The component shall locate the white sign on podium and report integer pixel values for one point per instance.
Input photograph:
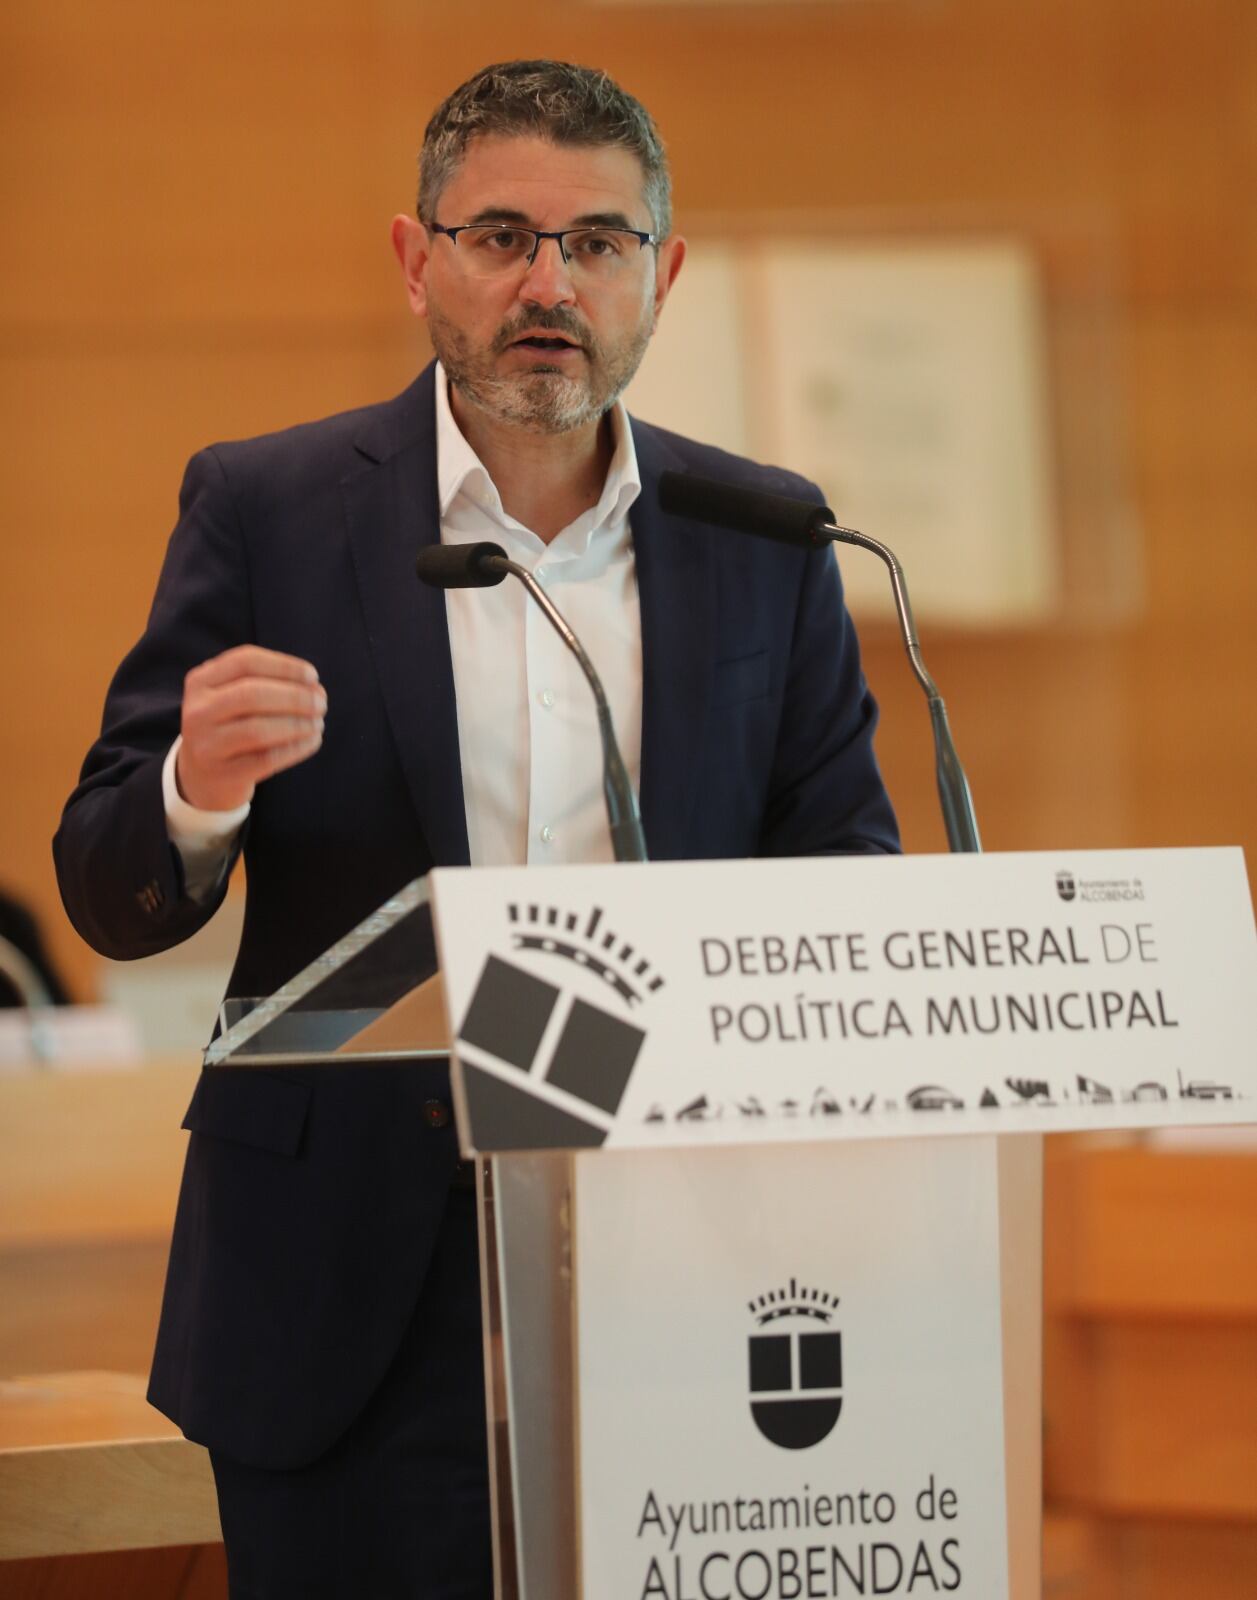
(721, 1002)
(790, 1373)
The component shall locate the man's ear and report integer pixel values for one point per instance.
(671, 256)
(411, 245)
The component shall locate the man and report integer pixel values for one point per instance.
(299, 698)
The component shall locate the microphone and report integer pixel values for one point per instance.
(767, 516)
(480, 566)
(459, 566)
(809, 527)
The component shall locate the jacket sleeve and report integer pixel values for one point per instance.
(120, 877)
(826, 794)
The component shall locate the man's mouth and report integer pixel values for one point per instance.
(544, 341)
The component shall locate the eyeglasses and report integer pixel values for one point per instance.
(496, 249)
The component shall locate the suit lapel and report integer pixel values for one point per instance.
(676, 590)
(393, 510)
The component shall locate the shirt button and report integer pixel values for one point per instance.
(546, 698)
(547, 834)
(436, 1113)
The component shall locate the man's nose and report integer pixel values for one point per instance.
(548, 278)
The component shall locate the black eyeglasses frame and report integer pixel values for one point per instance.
(539, 236)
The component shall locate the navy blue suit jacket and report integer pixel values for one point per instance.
(311, 1197)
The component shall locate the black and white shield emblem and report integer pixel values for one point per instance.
(545, 1065)
(795, 1362)
(1065, 885)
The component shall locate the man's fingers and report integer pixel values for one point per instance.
(251, 661)
(246, 714)
(256, 766)
(253, 736)
(252, 696)
(289, 755)
(216, 779)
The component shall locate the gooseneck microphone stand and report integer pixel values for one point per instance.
(480, 566)
(954, 797)
(627, 839)
(807, 526)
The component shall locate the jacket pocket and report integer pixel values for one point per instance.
(249, 1107)
(741, 678)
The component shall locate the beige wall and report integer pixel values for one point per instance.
(195, 206)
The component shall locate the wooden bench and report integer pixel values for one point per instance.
(99, 1495)
(87, 1465)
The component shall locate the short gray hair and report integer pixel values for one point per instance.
(563, 103)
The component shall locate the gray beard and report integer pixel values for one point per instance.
(542, 399)
(539, 401)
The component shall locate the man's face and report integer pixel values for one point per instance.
(481, 326)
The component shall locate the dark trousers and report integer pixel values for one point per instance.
(398, 1509)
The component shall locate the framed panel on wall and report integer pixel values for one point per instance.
(934, 385)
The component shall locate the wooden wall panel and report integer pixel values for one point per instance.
(1136, 1560)
(1150, 1371)
(1152, 1420)
(1172, 1236)
(196, 249)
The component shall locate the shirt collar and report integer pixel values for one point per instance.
(462, 475)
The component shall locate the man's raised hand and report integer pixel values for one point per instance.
(247, 714)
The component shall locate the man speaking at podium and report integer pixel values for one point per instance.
(299, 699)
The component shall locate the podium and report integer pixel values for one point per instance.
(760, 1258)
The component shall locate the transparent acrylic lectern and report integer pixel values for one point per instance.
(575, 1263)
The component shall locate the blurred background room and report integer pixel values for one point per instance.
(986, 269)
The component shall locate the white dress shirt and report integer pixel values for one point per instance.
(528, 738)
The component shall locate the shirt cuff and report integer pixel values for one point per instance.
(202, 838)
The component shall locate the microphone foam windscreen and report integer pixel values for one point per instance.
(769, 516)
(459, 566)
